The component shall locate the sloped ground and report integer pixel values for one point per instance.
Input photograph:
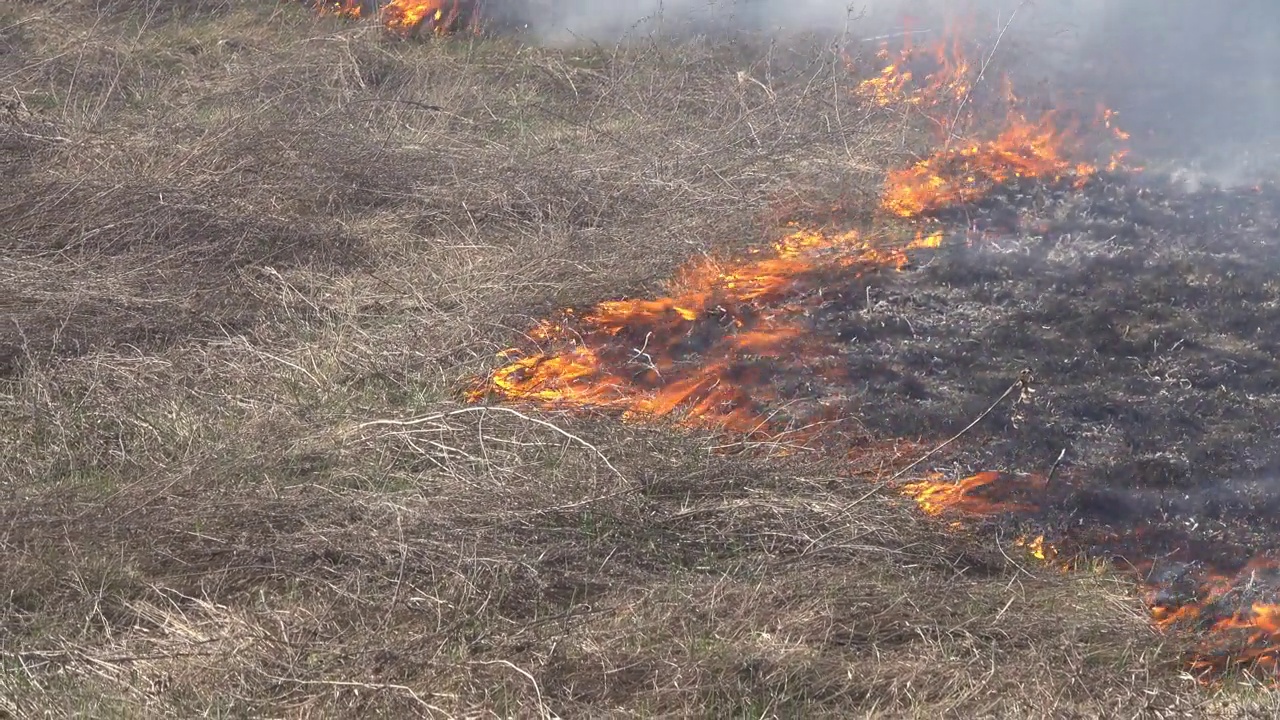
(233, 239)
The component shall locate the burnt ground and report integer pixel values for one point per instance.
(233, 235)
(1141, 317)
(1143, 313)
(1146, 316)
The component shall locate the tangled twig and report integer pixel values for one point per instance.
(441, 416)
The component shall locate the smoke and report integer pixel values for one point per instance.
(1197, 82)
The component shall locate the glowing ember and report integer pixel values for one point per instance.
(1038, 548)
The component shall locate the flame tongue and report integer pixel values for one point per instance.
(408, 15)
(709, 351)
(1024, 150)
(986, 493)
(718, 350)
(405, 16)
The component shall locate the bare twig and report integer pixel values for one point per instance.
(400, 101)
(542, 706)
(363, 686)
(1054, 468)
(982, 71)
(1021, 382)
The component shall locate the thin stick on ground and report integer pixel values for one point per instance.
(1021, 382)
(542, 705)
(363, 686)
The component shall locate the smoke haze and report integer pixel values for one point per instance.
(1195, 81)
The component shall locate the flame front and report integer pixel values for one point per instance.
(691, 353)
(1236, 630)
(968, 168)
(404, 16)
(1024, 150)
(708, 352)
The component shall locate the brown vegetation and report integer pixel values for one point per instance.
(234, 240)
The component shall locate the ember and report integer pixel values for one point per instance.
(1108, 287)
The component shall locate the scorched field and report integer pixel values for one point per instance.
(399, 366)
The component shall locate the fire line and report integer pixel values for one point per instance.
(708, 353)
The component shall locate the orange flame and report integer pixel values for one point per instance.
(947, 76)
(631, 355)
(937, 496)
(404, 16)
(626, 354)
(967, 170)
(970, 173)
(1247, 635)
(1038, 548)
(409, 15)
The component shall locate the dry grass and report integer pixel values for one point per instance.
(233, 238)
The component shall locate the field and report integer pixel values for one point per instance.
(252, 260)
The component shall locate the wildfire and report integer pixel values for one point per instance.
(693, 351)
(968, 168)
(947, 74)
(710, 350)
(405, 16)
(1024, 150)
(1236, 629)
(937, 496)
(1038, 548)
(339, 8)
(408, 15)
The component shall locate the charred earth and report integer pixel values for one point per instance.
(1138, 319)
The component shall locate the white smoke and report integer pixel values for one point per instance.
(1194, 80)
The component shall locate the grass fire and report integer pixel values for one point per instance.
(367, 359)
(408, 17)
(759, 347)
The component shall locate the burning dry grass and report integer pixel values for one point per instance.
(234, 238)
